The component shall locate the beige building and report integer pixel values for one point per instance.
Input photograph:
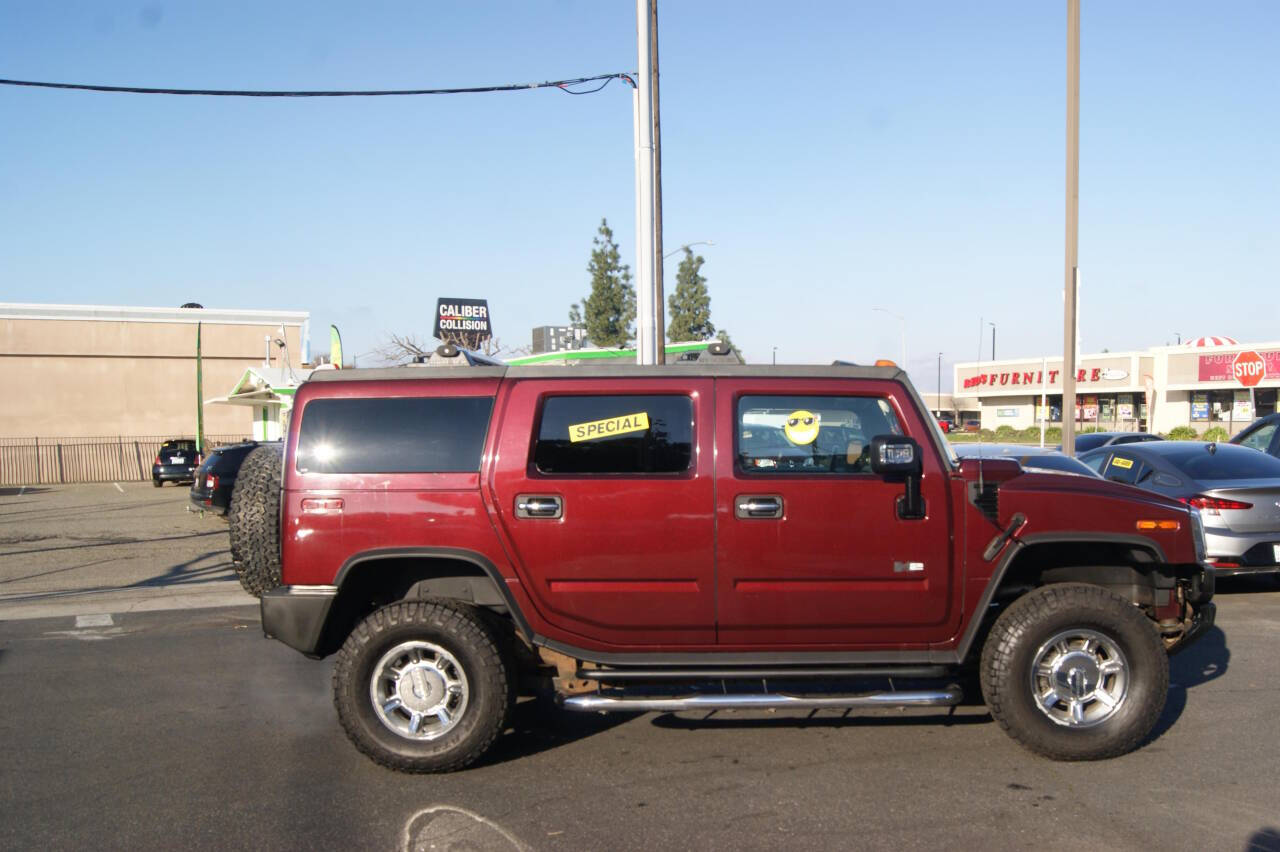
(1194, 384)
(90, 371)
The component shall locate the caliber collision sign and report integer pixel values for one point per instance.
(464, 321)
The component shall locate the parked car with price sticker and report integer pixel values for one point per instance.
(699, 537)
(1235, 488)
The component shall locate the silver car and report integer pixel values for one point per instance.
(1236, 489)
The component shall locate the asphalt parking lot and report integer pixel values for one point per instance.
(154, 727)
(109, 547)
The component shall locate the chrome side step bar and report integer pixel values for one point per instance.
(618, 675)
(945, 697)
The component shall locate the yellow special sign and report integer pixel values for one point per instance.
(1123, 463)
(609, 427)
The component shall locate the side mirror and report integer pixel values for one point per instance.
(895, 455)
(898, 457)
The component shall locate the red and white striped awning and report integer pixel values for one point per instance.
(1212, 341)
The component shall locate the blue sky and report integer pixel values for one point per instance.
(842, 156)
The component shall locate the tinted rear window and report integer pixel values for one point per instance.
(615, 434)
(1229, 462)
(400, 435)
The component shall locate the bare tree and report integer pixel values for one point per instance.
(404, 348)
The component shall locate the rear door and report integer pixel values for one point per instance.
(810, 548)
(604, 491)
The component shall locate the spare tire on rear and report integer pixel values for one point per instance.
(254, 518)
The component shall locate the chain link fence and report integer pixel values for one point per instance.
(43, 461)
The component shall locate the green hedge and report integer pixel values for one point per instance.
(1215, 433)
(1182, 433)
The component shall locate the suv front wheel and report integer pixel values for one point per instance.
(1075, 672)
(423, 686)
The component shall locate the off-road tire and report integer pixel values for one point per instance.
(480, 650)
(254, 520)
(1038, 616)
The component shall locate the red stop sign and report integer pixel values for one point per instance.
(1249, 368)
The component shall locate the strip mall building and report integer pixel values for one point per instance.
(1194, 384)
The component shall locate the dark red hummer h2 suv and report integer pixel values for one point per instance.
(700, 537)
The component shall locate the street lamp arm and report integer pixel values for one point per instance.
(689, 245)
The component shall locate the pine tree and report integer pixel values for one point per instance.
(610, 308)
(689, 307)
(723, 337)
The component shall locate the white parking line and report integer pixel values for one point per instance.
(101, 619)
(118, 488)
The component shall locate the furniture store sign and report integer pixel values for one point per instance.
(1035, 378)
(1222, 368)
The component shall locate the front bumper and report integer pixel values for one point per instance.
(296, 615)
(1201, 622)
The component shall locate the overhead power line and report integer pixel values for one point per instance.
(563, 85)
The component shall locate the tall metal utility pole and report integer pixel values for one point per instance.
(199, 393)
(1072, 267)
(648, 331)
(642, 292)
(659, 306)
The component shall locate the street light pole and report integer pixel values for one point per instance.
(648, 332)
(775, 355)
(993, 340)
(938, 401)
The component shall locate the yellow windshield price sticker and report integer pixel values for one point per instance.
(1119, 462)
(609, 428)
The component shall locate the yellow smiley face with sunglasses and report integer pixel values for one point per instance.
(802, 427)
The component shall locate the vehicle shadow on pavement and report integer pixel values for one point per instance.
(1206, 660)
(1264, 840)
(538, 726)
(186, 573)
(23, 490)
(1247, 584)
(182, 574)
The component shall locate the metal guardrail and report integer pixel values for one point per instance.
(43, 461)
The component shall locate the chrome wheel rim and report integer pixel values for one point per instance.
(1079, 678)
(419, 690)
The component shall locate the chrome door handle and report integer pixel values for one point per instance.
(539, 506)
(758, 506)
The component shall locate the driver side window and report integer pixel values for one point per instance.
(1260, 439)
(810, 434)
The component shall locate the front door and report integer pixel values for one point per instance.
(810, 548)
(607, 501)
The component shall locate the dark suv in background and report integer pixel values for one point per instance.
(211, 490)
(176, 461)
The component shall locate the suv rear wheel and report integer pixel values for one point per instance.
(423, 686)
(1075, 672)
